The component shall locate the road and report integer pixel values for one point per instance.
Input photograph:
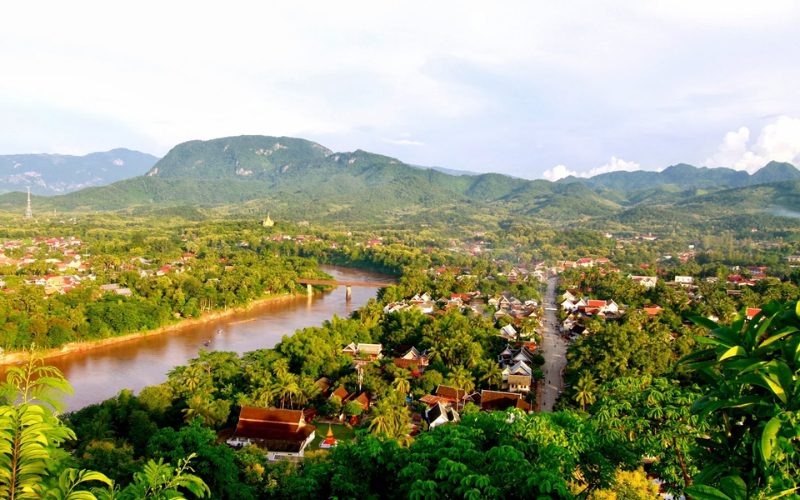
(554, 349)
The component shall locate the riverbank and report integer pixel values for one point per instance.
(15, 357)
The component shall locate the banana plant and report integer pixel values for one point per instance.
(751, 369)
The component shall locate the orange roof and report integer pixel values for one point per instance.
(341, 392)
(752, 311)
(652, 310)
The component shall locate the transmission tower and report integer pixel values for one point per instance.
(28, 211)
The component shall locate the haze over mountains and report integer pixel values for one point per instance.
(48, 174)
(300, 179)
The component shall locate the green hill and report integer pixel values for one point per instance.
(301, 180)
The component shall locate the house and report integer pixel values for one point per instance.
(283, 433)
(340, 393)
(444, 394)
(411, 357)
(519, 377)
(506, 355)
(439, 414)
(652, 310)
(369, 352)
(508, 332)
(684, 280)
(645, 281)
(324, 384)
(502, 400)
(361, 399)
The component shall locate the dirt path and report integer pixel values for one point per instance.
(554, 349)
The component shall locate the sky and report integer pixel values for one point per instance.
(534, 89)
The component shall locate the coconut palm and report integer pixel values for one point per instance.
(585, 390)
(287, 388)
(493, 375)
(461, 378)
(390, 417)
(401, 384)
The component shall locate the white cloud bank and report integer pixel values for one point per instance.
(613, 165)
(778, 141)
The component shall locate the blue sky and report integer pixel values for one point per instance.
(532, 89)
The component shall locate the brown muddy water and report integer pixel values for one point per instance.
(100, 373)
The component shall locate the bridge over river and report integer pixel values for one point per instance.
(345, 283)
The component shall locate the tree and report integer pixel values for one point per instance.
(159, 480)
(585, 390)
(628, 485)
(390, 418)
(493, 375)
(461, 378)
(353, 409)
(401, 384)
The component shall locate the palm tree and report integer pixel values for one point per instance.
(265, 395)
(461, 378)
(401, 384)
(493, 376)
(390, 418)
(287, 387)
(280, 367)
(585, 390)
(308, 390)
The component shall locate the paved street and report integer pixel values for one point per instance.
(554, 349)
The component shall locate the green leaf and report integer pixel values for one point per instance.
(775, 386)
(797, 309)
(769, 438)
(774, 338)
(734, 487)
(707, 323)
(703, 492)
(733, 351)
(711, 340)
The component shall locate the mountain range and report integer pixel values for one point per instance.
(299, 179)
(49, 174)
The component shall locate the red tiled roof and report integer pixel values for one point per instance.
(449, 393)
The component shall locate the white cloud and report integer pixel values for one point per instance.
(404, 142)
(614, 165)
(558, 172)
(778, 141)
(349, 74)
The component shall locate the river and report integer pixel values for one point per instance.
(99, 374)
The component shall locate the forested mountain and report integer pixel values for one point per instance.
(48, 174)
(686, 177)
(299, 179)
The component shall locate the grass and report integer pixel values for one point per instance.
(341, 432)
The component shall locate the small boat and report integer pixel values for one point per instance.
(207, 343)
